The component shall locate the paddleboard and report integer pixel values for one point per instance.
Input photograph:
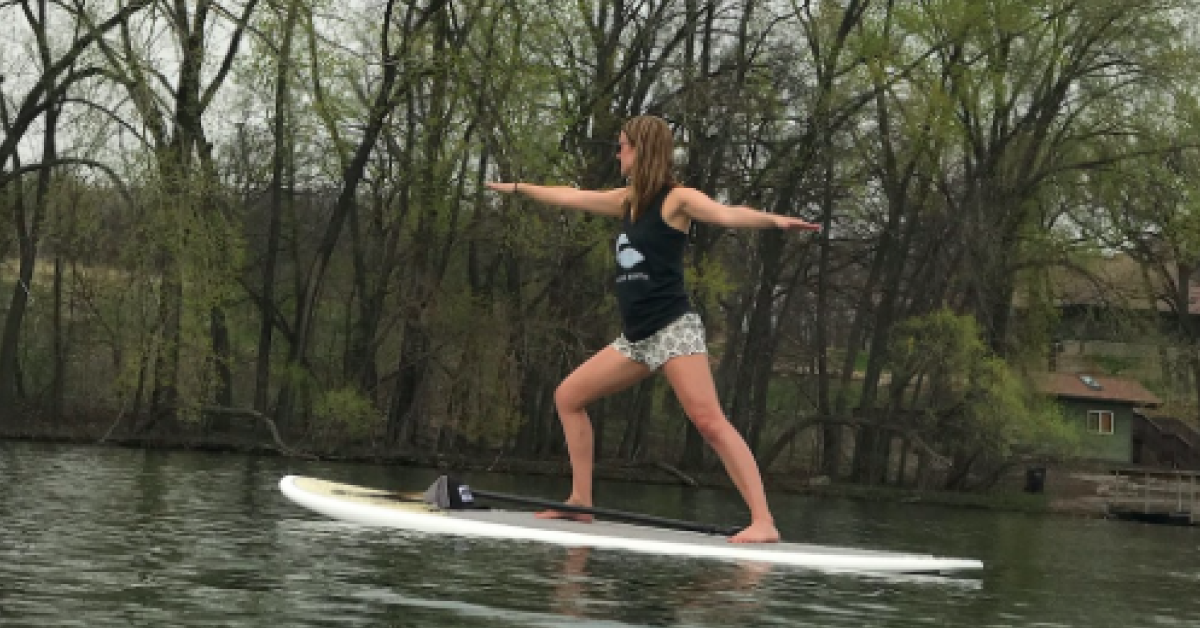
(375, 507)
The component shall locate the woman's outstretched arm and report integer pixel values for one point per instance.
(604, 203)
(699, 206)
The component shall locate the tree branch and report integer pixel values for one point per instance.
(249, 413)
(8, 177)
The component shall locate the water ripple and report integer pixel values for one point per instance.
(113, 537)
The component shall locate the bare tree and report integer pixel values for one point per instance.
(44, 100)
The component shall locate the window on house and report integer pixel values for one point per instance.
(1100, 421)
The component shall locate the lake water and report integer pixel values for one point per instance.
(96, 536)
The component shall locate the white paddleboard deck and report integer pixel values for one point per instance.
(375, 507)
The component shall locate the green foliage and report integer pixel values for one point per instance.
(1008, 415)
(940, 345)
(975, 144)
(477, 398)
(1037, 320)
(347, 412)
(973, 401)
(1115, 364)
(709, 281)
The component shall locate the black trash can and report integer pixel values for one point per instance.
(1035, 479)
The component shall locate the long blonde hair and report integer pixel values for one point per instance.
(654, 167)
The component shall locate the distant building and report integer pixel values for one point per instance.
(1094, 302)
(1102, 407)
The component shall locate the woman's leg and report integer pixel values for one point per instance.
(691, 379)
(603, 374)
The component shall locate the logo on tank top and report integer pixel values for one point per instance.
(627, 258)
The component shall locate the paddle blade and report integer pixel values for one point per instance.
(447, 492)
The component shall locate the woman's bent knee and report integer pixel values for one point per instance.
(712, 425)
(567, 399)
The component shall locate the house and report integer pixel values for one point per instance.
(1099, 299)
(1093, 299)
(1103, 408)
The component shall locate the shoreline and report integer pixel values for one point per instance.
(1067, 493)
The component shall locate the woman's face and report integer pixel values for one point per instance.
(625, 154)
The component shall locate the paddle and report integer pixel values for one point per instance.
(606, 513)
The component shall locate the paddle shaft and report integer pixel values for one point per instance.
(618, 515)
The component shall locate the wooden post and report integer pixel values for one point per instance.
(1178, 491)
(1146, 494)
(1192, 504)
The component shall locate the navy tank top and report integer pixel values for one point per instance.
(649, 284)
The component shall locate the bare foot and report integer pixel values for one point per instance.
(763, 532)
(569, 516)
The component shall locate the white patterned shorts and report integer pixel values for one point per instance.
(685, 336)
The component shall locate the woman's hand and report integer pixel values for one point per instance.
(499, 186)
(787, 223)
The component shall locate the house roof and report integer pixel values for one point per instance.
(1117, 281)
(1106, 388)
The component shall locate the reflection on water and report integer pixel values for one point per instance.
(724, 593)
(117, 537)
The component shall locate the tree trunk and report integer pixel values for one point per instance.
(401, 417)
(383, 104)
(222, 354)
(29, 230)
(639, 415)
(281, 165)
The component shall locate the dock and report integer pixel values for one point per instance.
(1154, 496)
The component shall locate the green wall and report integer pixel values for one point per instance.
(1115, 447)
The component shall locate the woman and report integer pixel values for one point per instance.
(660, 329)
